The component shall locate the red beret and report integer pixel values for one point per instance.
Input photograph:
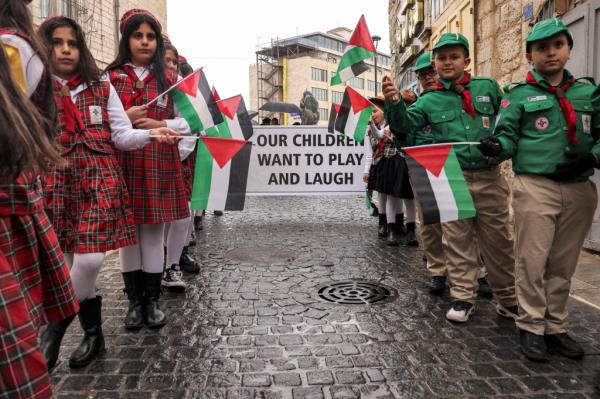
(166, 39)
(182, 59)
(132, 13)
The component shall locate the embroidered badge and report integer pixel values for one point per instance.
(427, 129)
(139, 84)
(504, 103)
(65, 91)
(542, 123)
(485, 122)
(482, 99)
(162, 101)
(95, 114)
(586, 121)
(536, 98)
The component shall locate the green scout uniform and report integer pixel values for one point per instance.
(441, 116)
(553, 212)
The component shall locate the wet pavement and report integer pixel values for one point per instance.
(251, 324)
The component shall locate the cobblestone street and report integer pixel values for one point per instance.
(251, 324)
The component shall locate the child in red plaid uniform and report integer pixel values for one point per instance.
(86, 197)
(153, 174)
(178, 234)
(34, 281)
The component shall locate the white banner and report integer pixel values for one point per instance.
(301, 160)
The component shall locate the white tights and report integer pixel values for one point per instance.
(177, 236)
(393, 206)
(84, 270)
(147, 254)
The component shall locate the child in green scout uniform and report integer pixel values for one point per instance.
(464, 109)
(550, 128)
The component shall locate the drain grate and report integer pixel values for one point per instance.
(355, 292)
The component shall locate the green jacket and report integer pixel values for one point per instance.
(533, 130)
(438, 117)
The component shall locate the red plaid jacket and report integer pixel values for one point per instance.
(96, 135)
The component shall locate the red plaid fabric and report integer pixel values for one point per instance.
(23, 373)
(87, 199)
(189, 165)
(154, 174)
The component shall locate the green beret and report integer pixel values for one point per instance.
(548, 28)
(451, 39)
(423, 62)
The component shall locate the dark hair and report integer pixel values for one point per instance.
(185, 69)
(173, 49)
(23, 144)
(158, 60)
(569, 40)
(87, 67)
(15, 14)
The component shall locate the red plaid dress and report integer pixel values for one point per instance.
(154, 174)
(35, 287)
(189, 165)
(87, 198)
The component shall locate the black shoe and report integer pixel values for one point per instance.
(198, 223)
(382, 232)
(411, 239)
(484, 289)
(400, 230)
(92, 345)
(565, 345)
(392, 238)
(51, 338)
(153, 316)
(532, 346)
(437, 285)
(375, 211)
(188, 263)
(218, 213)
(134, 288)
(510, 312)
(193, 240)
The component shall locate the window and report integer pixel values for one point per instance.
(320, 94)
(45, 8)
(323, 114)
(318, 74)
(371, 85)
(337, 96)
(357, 83)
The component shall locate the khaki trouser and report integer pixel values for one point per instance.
(552, 220)
(491, 227)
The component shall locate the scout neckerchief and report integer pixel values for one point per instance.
(71, 117)
(381, 145)
(565, 105)
(459, 87)
(139, 84)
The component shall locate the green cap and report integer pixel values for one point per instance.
(548, 28)
(423, 62)
(452, 39)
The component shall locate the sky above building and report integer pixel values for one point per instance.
(222, 36)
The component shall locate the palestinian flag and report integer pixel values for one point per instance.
(223, 160)
(215, 94)
(335, 108)
(217, 186)
(360, 47)
(351, 116)
(194, 99)
(439, 182)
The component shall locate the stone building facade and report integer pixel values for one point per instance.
(286, 68)
(99, 19)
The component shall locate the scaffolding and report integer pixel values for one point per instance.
(269, 69)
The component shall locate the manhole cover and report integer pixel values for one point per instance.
(260, 255)
(356, 292)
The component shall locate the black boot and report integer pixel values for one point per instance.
(392, 238)
(564, 345)
(198, 223)
(154, 317)
(411, 239)
(382, 232)
(92, 345)
(134, 288)
(188, 263)
(400, 230)
(51, 339)
(532, 346)
(375, 211)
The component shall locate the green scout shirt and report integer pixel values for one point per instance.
(533, 130)
(438, 117)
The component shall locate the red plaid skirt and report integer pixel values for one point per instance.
(154, 177)
(188, 174)
(88, 203)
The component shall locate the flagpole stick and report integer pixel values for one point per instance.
(183, 136)
(444, 144)
(171, 88)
